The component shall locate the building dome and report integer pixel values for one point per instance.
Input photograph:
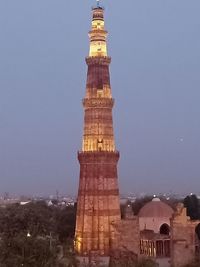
(155, 216)
(156, 209)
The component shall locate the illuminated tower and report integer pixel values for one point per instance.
(98, 196)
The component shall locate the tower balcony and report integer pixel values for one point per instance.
(99, 60)
(98, 103)
(98, 157)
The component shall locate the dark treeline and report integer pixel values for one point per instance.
(192, 204)
(35, 234)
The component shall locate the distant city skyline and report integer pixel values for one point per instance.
(155, 82)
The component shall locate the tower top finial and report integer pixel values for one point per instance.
(98, 5)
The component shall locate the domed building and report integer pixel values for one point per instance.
(155, 216)
(154, 224)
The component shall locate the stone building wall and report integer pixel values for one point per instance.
(183, 238)
(127, 236)
(152, 223)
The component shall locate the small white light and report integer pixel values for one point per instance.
(28, 234)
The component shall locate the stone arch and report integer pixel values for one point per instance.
(164, 229)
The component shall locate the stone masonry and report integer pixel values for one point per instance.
(183, 237)
(98, 207)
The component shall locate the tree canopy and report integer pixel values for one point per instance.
(32, 234)
(193, 208)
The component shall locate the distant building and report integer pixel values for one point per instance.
(154, 225)
(7, 202)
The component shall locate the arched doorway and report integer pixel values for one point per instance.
(164, 229)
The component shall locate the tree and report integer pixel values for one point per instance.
(192, 204)
(65, 223)
(36, 218)
(49, 229)
(27, 251)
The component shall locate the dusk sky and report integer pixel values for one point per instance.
(155, 76)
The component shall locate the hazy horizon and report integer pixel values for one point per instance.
(155, 77)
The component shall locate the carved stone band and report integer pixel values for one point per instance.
(98, 103)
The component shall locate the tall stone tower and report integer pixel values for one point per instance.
(98, 196)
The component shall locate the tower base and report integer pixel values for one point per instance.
(98, 205)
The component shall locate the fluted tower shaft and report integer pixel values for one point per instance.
(98, 196)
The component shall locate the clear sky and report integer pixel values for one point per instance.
(155, 74)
